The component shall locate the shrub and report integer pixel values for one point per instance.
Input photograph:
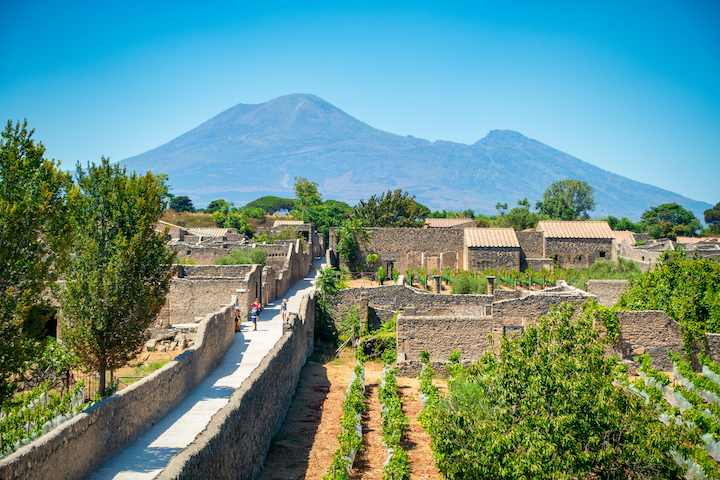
(469, 285)
(256, 256)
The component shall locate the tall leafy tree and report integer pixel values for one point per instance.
(550, 405)
(392, 209)
(712, 218)
(182, 204)
(578, 195)
(35, 235)
(121, 269)
(310, 208)
(669, 220)
(518, 218)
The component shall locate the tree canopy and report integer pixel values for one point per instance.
(550, 405)
(35, 236)
(182, 204)
(310, 208)
(577, 195)
(270, 204)
(712, 218)
(669, 220)
(519, 218)
(121, 269)
(392, 209)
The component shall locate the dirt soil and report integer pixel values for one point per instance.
(304, 447)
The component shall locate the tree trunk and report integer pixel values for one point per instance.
(101, 386)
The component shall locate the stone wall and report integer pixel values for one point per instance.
(578, 253)
(493, 258)
(80, 445)
(441, 335)
(385, 300)
(538, 264)
(203, 288)
(414, 247)
(607, 291)
(237, 439)
(532, 305)
(532, 245)
(207, 253)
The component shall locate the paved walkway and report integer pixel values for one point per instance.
(150, 453)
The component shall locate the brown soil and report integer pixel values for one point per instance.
(304, 447)
(369, 463)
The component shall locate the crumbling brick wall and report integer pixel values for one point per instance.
(607, 291)
(483, 258)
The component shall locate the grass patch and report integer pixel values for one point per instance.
(256, 256)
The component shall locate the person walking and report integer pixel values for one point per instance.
(254, 316)
(283, 310)
(237, 319)
(257, 305)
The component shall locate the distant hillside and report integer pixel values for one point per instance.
(251, 151)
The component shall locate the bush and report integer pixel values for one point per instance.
(464, 284)
(256, 256)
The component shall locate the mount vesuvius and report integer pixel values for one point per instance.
(249, 151)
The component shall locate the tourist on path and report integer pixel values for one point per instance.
(283, 309)
(237, 319)
(254, 316)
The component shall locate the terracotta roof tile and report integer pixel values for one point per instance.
(212, 232)
(621, 235)
(447, 222)
(575, 229)
(491, 237)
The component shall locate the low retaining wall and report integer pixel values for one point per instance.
(237, 439)
(607, 291)
(80, 445)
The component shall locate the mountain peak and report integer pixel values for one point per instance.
(502, 138)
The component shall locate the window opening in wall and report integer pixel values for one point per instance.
(602, 254)
(509, 330)
(579, 259)
(188, 252)
(643, 258)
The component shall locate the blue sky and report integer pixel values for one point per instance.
(632, 87)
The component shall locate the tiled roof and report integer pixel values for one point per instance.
(447, 222)
(621, 235)
(285, 223)
(491, 237)
(212, 232)
(575, 229)
(690, 240)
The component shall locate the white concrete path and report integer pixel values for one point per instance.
(150, 453)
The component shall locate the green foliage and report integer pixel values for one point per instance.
(467, 284)
(392, 209)
(469, 213)
(351, 237)
(121, 269)
(549, 406)
(624, 224)
(395, 274)
(255, 256)
(348, 438)
(576, 195)
(606, 315)
(288, 233)
(410, 275)
(381, 275)
(669, 220)
(330, 281)
(381, 342)
(699, 381)
(217, 205)
(162, 180)
(271, 205)
(687, 289)
(310, 208)
(182, 204)
(712, 218)
(519, 218)
(350, 325)
(186, 261)
(30, 415)
(394, 425)
(35, 236)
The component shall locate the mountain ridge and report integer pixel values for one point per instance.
(252, 150)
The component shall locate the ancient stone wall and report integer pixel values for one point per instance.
(532, 244)
(493, 258)
(441, 335)
(538, 264)
(207, 253)
(204, 288)
(607, 291)
(405, 248)
(578, 253)
(80, 445)
(236, 441)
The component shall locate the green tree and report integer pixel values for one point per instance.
(712, 218)
(578, 195)
(182, 204)
(550, 405)
(624, 224)
(519, 218)
(669, 220)
(556, 208)
(271, 205)
(393, 209)
(121, 269)
(216, 205)
(162, 180)
(350, 239)
(310, 208)
(35, 235)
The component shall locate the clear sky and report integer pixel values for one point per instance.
(632, 87)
